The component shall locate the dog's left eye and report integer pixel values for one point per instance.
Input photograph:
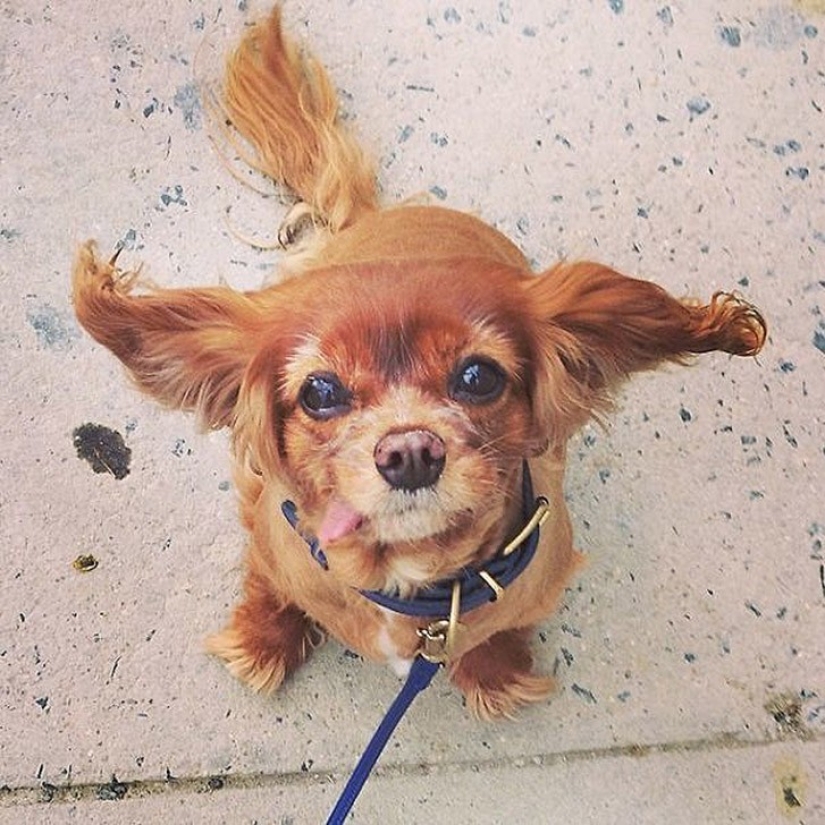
(323, 396)
(477, 381)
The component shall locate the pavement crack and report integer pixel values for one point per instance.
(117, 789)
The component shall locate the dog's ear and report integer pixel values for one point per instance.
(188, 348)
(595, 327)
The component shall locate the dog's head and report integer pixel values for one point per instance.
(398, 401)
(400, 406)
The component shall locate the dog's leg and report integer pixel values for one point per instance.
(266, 639)
(496, 676)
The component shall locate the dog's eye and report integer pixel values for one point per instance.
(323, 396)
(477, 381)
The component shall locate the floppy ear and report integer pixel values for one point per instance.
(188, 348)
(595, 327)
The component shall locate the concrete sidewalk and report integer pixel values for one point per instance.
(683, 142)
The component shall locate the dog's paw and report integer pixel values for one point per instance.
(496, 677)
(489, 702)
(262, 671)
(262, 649)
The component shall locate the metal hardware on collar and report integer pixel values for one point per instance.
(438, 638)
(497, 589)
(434, 641)
(541, 514)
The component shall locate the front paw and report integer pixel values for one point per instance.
(496, 677)
(263, 644)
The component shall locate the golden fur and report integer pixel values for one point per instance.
(390, 303)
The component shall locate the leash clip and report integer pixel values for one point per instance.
(438, 637)
(434, 641)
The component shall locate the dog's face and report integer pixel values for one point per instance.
(401, 410)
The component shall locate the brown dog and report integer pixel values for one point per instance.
(385, 403)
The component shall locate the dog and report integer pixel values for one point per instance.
(399, 402)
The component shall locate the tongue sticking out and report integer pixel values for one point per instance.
(339, 520)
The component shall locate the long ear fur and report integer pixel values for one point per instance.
(187, 348)
(596, 327)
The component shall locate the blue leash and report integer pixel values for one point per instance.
(420, 676)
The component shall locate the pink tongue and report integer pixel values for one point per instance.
(339, 520)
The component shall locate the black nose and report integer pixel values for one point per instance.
(410, 460)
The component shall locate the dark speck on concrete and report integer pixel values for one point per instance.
(173, 195)
(731, 35)
(685, 415)
(188, 101)
(54, 330)
(439, 192)
(616, 6)
(697, 106)
(800, 172)
(819, 340)
(584, 693)
(783, 149)
(181, 448)
(151, 107)
(130, 240)
(112, 790)
(665, 15)
(103, 448)
(406, 134)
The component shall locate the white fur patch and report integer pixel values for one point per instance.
(400, 666)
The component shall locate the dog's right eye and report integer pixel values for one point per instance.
(323, 396)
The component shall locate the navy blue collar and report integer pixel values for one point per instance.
(478, 586)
